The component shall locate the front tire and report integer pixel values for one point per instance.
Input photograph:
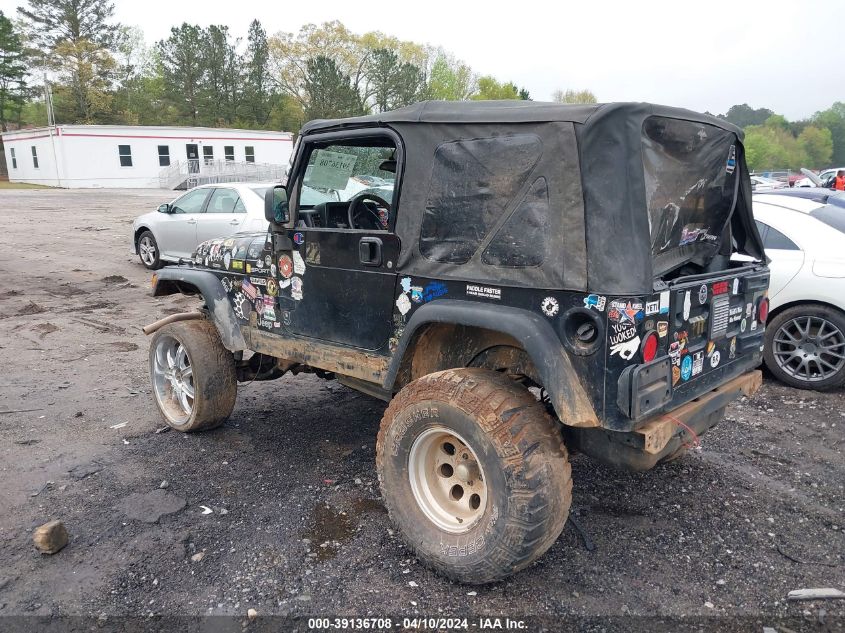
(193, 376)
(148, 251)
(474, 473)
(805, 347)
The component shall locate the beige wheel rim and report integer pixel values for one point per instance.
(447, 480)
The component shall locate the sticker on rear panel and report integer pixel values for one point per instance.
(686, 367)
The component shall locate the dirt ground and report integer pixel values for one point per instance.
(282, 502)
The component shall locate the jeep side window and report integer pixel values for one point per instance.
(338, 173)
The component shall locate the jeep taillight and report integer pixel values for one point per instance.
(649, 347)
(763, 310)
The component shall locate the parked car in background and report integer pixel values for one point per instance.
(821, 195)
(823, 179)
(805, 336)
(759, 183)
(173, 231)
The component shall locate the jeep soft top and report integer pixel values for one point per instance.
(508, 275)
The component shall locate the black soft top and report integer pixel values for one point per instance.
(593, 166)
(513, 111)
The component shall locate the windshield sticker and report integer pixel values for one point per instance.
(549, 306)
(482, 291)
(731, 164)
(330, 170)
(686, 367)
(595, 301)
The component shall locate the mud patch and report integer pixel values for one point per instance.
(151, 506)
(331, 528)
(114, 279)
(31, 308)
(10, 293)
(123, 346)
(43, 329)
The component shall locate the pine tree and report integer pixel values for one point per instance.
(13, 67)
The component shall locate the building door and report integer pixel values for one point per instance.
(193, 152)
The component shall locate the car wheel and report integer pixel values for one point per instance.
(193, 375)
(148, 251)
(805, 347)
(474, 473)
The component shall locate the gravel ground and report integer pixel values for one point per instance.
(279, 510)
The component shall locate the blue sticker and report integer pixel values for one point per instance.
(595, 301)
(406, 284)
(686, 367)
(298, 238)
(433, 290)
(416, 294)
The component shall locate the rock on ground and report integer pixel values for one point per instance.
(50, 537)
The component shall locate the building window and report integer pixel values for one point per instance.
(229, 152)
(34, 157)
(14, 158)
(249, 153)
(125, 152)
(163, 156)
(208, 154)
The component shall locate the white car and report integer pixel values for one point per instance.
(758, 183)
(173, 231)
(805, 333)
(820, 178)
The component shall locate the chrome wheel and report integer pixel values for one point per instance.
(173, 379)
(447, 480)
(809, 348)
(147, 250)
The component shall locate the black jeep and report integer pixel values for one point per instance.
(514, 278)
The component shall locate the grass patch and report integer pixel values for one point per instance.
(5, 184)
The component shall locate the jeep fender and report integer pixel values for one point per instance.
(172, 279)
(532, 331)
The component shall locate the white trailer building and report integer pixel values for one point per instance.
(79, 156)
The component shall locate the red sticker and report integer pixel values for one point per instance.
(720, 287)
(285, 266)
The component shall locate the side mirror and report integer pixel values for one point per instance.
(276, 205)
(164, 208)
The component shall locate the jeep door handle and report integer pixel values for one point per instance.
(369, 251)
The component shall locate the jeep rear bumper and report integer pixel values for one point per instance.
(661, 436)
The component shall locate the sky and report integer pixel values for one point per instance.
(706, 56)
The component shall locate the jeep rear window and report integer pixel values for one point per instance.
(473, 183)
(691, 176)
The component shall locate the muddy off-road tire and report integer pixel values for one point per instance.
(193, 375)
(474, 473)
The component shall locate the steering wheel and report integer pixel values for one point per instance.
(358, 201)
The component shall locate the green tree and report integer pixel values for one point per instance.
(744, 115)
(834, 120)
(221, 89)
(449, 79)
(573, 96)
(13, 70)
(817, 144)
(256, 102)
(773, 147)
(182, 66)
(75, 38)
(489, 88)
(392, 83)
(330, 93)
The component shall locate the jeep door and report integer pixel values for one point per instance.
(342, 277)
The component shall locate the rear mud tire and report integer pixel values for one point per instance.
(520, 456)
(211, 379)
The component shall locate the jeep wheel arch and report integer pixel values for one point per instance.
(172, 280)
(517, 329)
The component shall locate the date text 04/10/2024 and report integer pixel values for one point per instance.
(417, 623)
